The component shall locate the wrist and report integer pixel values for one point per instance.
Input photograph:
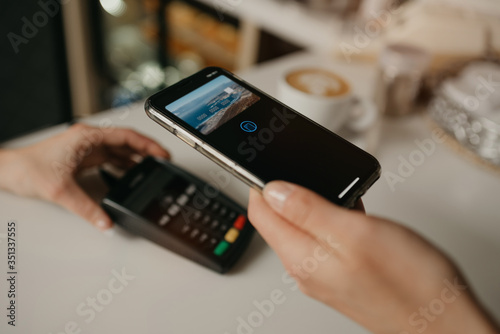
(464, 315)
(480, 320)
(7, 169)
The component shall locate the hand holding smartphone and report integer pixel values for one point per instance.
(259, 139)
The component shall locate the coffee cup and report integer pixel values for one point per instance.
(326, 98)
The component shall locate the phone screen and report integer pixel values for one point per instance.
(208, 107)
(265, 137)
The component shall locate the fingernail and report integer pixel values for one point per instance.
(276, 193)
(136, 158)
(102, 225)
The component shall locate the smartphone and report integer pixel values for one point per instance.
(259, 139)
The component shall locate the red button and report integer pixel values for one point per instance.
(240, 222)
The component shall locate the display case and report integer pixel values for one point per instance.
(129, 49)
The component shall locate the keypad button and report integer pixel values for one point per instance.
(232, 235)
(205, 220)
(191, 189)
(200, 201)
(185, 228)
(173, 210)
(166, 201)
(214, 224)
(213, 242)
(239, 223)
(203, 238)
(182, 200)
(194, 233)
(221, 248)
(164, 220)
(224, 227)
(223, 211)
(215, 206)
(232, 215)
(197, 215)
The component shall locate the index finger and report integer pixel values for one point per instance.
(136, 141)
(310, 212)
(289, 242)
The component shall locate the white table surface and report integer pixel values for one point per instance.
(62, 260)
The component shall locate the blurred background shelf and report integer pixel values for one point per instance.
(99, 54)
(134, 48)
(289, 20)
(111, 53)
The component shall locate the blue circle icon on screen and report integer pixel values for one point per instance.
(248, 126)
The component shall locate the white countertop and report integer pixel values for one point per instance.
(62, 260)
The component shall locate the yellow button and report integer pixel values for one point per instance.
(232, 235)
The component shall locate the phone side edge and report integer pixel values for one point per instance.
(207, 150)
(370, 181)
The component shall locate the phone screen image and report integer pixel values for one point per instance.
(213, 104)
(265, 137)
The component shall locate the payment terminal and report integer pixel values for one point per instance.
(171, 207)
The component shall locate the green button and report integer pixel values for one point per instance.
(221, 248)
